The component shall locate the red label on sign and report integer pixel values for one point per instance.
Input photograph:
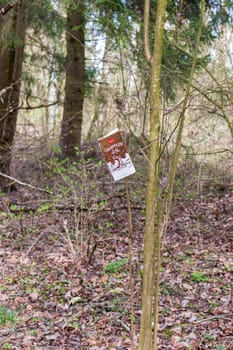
(111, 141)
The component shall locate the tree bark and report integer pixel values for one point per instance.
(152, 240)
(75, 77)
(12, 41)
(146, 328)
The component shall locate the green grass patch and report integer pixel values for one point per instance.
(198, 277)
(7, 316)
(115, 266)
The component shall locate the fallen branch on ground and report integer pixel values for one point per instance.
(214, 318)
(14, 180)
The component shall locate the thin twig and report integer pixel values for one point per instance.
(34, 243)
(213, 318)
(24, 183)
(123, 325)
(5, 9)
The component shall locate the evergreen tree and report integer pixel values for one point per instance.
(75, 79)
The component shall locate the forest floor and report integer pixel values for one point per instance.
(64, 276)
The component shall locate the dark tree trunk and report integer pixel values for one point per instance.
(75, 76)
(12, 28)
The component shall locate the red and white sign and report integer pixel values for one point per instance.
(116, 155)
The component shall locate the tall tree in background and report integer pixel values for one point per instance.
(12, 28)
(75, 79)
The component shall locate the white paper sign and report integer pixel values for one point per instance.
(116, 155)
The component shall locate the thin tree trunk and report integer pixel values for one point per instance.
(146, 329)
(11, 61)
(152, 244)
(71, 129)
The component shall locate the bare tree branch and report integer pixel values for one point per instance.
(24, 183)
(28, 107)
(3, 91)
(5, 9)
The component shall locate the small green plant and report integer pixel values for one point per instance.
(165, 311)
(33, 332)
(7, 346)
(191, 195)
(115, 266)
(165, 291)
(209, 337)
(74, 322)
(4, 215)
(44, 208)
(213, 304)
(108, 224)
(228, 268)
(57, 149)
(13, 207)
(56, 166)
(168, 333)
(7, 315)
(102, 203)
(220, 347)
(116, 305)
(199, 277)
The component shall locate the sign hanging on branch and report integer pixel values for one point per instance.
(116, 155)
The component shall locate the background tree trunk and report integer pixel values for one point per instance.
(75, 78)
(12, 40)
